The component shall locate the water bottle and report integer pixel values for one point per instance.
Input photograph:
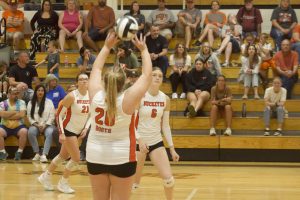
(43, 46)
(66, 61)
(244, 110)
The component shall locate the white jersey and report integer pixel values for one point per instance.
(150, 117)
(110, 144)
(77, 114)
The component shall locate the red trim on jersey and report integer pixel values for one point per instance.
(132, 155)
(68, 117)
(137, 120)
(60, 106)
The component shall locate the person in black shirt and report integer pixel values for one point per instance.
(199, 82)
(22, 75)
(158, 49)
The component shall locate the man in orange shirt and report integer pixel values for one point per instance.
(296, 41)
(14, 23)
(286, 62)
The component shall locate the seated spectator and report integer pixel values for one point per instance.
(158, 48)
(163, 18)
(249, 71)
(188, 22)
(180, 63)
(3, 80)
(85, 61)
(213, 22)
(32, 5)
(199, 82)
(22, 76)
(296, 41)
(231, 43)
(14, 24)
(99, 21)
(127, 59)
(275, 98)
(264, 48)
(135, 12)
(54, 91)
(46, 30)
(210, 59)
(220, 105)
(286, 62)
(52, 58)
(249, 39)
(41, 114)
(12, 112)
(70, 23)
(284, 19)
(250, 19)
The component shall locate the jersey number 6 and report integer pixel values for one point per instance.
(153, 113)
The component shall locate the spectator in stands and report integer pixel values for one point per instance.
(55, 92)
(127, 59)
(210, 60)
(52, 58)
(22, 76)
(249, 71)
(296, 41)
(14, 24)
(249, 39)
(164, 19)
(4, 5)
(250, 18)
(32, 5)
(286, 62)
(99, 21)
(220, 104)
(158, 49)
(85, 61)
(135, 12)
(41, 114)
(3, 80)
(12, 112)
(213, 22)
(199, 82)
(231, 34)
(275, 98)
(70, 23)
(264, 48)
(180, 63)
(284, 19)
(46, 30)
(188, 22)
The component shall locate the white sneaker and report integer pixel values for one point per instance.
(63, 186)
(228, 132)
(212, 132)
(135, 186)
(36, 157)
(45, 180)
(182, 95)
(174, 96)
(43, 159)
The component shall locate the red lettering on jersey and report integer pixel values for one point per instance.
(154, 104)
(103, 130)
(83, 101)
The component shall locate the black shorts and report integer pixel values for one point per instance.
(152, 147)
(70, 134)
(236, 48)
(123, 170)
(95, 35)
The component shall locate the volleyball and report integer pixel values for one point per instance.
(126, 28)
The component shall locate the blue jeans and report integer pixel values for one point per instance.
(33, 132)
(276, 111)
(288, 84)
(161, 62)
(278, 36)
(296, 47)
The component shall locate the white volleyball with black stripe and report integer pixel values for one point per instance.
(126, 28)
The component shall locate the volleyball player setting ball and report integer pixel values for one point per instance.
(152, 119)
(111, 155)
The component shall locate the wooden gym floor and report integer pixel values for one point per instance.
(194, 180)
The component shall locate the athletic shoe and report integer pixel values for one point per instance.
(267, 132)
(63, 186)
(82, 156)
(256, 97)
(45, 180)
(43, 159)
(182, 95)
(3, 156)
(197, 43)
(212, 132)
(174, 96)
(36, 157)
(245, 97)
(225, 64)
(135, 186)
(18, 155)
(192, 111)
(278, 133)
(228, 132)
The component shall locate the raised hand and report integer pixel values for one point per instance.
(111, 40)
(140, 43)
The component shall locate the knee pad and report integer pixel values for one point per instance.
(71, 165)
(169, 182)
(58, 160)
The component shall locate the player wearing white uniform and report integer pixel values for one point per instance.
(153, 118)
(111, 159)
(73, 122)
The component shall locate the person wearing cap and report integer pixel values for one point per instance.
(55, 92)
(14, 24)
(250, 19)
(12, 112)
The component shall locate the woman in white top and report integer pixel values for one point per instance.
(72, 120)
(111, 159)
(41, 114)
(153, 118)
(250, 69)
(180, 62)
